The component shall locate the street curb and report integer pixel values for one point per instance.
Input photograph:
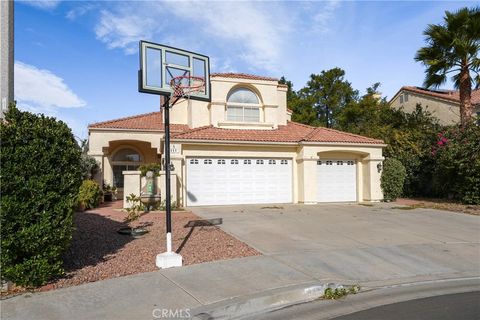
(272, 300)
(370, 298)
(265, 301)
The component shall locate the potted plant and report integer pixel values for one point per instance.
(107, 192)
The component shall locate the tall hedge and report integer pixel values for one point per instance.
(40, 178)
(393, 178)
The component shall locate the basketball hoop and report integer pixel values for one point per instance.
(184, 86)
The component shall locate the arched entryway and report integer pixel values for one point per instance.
(124, 159)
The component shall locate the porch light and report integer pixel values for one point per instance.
(379, 167)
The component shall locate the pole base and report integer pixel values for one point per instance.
(168, 260)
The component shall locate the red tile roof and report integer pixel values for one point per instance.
(147, 121)
(292, 132)
(242, 76)
(321, 134)
(451, 95)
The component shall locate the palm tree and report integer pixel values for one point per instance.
(453, 47)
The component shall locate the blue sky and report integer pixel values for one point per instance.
(78, 60)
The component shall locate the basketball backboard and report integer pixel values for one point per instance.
(159, 64)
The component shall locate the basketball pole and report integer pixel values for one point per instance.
(169, 258)
(168, 207)
(168, 192)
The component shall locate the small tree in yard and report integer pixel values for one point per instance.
(40, 177)
(393, 178)
(90, 166)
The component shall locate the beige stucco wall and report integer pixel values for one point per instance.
(273, 111)
(446, 111)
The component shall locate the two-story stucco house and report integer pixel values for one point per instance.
(443, 104)
(242, 148)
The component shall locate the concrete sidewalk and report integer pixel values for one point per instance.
(136, 297)
(371, 246)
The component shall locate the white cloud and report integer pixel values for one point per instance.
(80, 11)
(41, 90)
(124, 29)
(252, 25)
(323, 17)
(42, 4)
(258, 30)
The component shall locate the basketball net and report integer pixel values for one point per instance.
(185, 86)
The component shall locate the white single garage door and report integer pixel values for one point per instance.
(336, 181)
(223, 181)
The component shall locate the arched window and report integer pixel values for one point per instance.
(243, 105)
(124, 160)
(128, 155)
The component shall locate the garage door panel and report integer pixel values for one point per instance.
(238, 181)
(336, 181)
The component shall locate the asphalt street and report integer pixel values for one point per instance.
(465, 306)
(459, 306)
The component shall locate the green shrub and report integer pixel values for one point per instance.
(90, 194)
(154, 167)
(456, 156)
(393, 178)
(40, 178)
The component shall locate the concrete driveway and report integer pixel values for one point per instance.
(371, 245)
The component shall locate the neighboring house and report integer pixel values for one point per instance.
(443, 104)
(242, 148)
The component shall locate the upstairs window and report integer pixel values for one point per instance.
(243, 105)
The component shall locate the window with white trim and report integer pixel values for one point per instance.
(283, 162)
(243, 105)
(259, 161)
(247, 161)
(207, 161)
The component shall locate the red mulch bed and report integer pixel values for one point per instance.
(98, 252)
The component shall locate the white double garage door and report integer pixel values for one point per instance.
(225, 181)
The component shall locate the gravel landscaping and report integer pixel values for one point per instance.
(98, 252)
(440, 205)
